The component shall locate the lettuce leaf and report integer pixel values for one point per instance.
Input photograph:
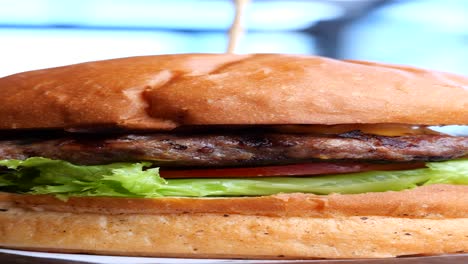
(45, 176)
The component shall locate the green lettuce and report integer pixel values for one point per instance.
(45, 176)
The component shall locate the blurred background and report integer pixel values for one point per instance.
(45, 33)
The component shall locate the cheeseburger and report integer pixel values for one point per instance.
(234, 156)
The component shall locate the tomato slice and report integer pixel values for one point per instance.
(305, 169)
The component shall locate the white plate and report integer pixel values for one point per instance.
(26, 257)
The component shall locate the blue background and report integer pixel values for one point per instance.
(44, 33)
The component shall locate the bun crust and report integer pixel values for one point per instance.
(334, 231)
(217, 236)
(432, 202)
(167, 91)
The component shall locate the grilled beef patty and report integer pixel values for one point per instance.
(237, 149)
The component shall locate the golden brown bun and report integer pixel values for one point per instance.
(164, 92)
(433, 201)
(152, 231)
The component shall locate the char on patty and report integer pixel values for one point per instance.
(236, 149)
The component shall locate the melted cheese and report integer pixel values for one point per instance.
(375, 129)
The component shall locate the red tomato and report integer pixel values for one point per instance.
(305, 169)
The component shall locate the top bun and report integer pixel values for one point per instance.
(167, 91)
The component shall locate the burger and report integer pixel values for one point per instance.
(234, 156)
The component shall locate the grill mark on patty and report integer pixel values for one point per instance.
(237, 149)
(255, 141)
(395, 142)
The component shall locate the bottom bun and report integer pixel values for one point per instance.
(216, 235)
